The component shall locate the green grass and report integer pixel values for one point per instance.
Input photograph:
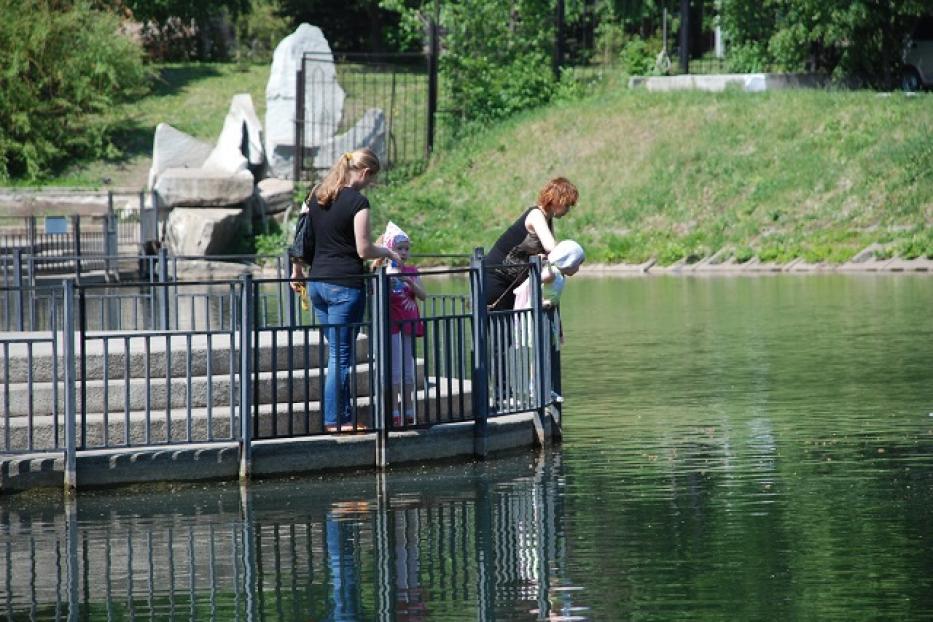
(192, 97)
(811, 174)
(195, 97)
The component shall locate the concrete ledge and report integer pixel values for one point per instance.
(714, 83)
(211, 461)
(180, 463)
(315, 453)
(20, 473)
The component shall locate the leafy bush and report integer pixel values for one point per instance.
(496, 57)
(638, 56)
(63, 68)
(749, 58)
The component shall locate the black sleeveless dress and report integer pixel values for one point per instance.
(508, 261)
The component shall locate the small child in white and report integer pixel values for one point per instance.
(562, 262)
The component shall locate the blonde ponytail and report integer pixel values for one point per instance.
(339, 175)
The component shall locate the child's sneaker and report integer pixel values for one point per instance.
(396, 419)
(410, 416)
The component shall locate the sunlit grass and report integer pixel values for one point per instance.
(811, 174)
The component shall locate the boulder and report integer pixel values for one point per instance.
(369, 131)
(323, 97)
(240, 141)
(206, 231)
(275, 195)
(173, 148)
(201, 187)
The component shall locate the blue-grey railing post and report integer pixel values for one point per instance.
(31, 282)
(142, 229)
(246, 375)
(542, 421)
(382, 372)
(76, 246)
(110, 232)
(480, 379)
(299, 120)
(20, 294)
(71, 411)
(164, 301)
(31, 232)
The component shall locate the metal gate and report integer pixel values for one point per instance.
(386, 102)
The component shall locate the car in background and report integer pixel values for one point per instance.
(918, 57)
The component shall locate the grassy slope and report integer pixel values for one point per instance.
(192, 97)
(812, 174)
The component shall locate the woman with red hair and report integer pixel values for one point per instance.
(532, 234)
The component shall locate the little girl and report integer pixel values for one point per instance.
(405, 323)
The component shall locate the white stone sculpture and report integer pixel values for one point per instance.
(323, 97)
(369, 131)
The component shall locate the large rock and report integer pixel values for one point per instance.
(275, 195)
(210, 231)
(201, 187)
(369, 131)
(323, 97)
(240, 141)
(173, 148)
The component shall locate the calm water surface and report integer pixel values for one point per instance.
(735, 449)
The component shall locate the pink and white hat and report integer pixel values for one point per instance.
(393, 235)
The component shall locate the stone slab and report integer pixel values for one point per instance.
(275, 195)
(172, 148)
(206, 231)
(198, 187)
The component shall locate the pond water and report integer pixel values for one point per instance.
(735, 448)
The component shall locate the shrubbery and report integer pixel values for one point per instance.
(62, 69)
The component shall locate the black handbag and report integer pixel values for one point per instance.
(302, 248)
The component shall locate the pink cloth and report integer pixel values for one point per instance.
(403, 305)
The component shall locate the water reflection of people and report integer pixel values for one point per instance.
(341, 530)
(409, 598)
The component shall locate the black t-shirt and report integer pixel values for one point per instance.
(509, 256)
(335, 256)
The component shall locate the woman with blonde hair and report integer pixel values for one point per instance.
(340, 219)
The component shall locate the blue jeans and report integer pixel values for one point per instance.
(339, 306)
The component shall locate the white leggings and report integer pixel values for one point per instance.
(403, 359)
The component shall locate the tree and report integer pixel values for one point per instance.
(64, 66)
(854, 39)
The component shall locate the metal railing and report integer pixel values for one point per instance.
(122, 365)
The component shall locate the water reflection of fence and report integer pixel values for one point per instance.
(146, 374)
(466, 546)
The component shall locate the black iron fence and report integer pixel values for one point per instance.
(120, 365)
(386, 102)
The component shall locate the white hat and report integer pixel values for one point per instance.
(393, 235)
(567, 254)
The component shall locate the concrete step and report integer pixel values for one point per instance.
(42, 398)
(305, 418)
(15, 361)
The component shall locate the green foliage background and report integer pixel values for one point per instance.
(61, 70)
